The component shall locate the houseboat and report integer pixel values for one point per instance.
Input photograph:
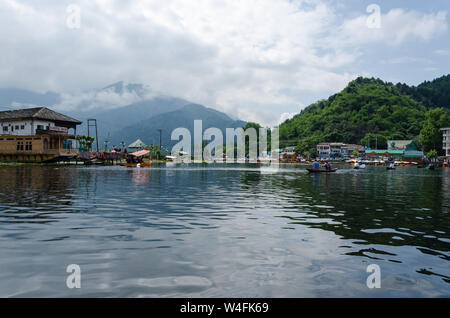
(37, 135)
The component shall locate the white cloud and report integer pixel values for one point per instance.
(442, 52)
(253, 59)
(286, 116)
(397, 26)
(107, 98)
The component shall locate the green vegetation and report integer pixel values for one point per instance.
(371, 112)
(432, 94)
(431, 135)
(155, 152)
(432, 155)
(85, 142)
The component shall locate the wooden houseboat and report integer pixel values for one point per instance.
(37, 135)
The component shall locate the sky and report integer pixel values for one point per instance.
(257, 60)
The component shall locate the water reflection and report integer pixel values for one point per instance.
(223, 230)
(35, 194)
(370, 211)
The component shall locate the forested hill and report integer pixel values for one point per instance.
(366, 111)
(431, 94)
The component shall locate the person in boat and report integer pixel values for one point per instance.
(316, 165)
(327, 166)
(392, 166)
(356, 166)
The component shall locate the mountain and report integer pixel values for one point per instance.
(147, 130)
(120, 88)
(366, 111)
(432, 94)
(111, 121)
(124, 111)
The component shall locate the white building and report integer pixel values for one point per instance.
(323, 150)
(328, 150)
(446, 141)
(37, 135)
(31, 121)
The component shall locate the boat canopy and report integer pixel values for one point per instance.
(140, 153)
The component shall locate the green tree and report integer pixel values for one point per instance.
(431, 136)
(155, 151)
(374, 141)
(432, 155)
(367, 108)
(257, 127)
(85, 142)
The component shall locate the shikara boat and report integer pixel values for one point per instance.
(135, 160)
(139, 164)
(321, 170)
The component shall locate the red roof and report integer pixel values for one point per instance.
(140, 153)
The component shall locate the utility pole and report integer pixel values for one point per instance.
(160, 142)
(93, 123)
(160, 138)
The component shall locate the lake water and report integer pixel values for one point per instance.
(223, 231)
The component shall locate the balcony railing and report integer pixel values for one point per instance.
(52, 130)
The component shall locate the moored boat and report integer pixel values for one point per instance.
(135, 160)
(139, 164)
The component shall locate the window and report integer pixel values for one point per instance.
(20, 146)
(40, 127)
(5, 129)
(22, 127)
(28, 146)
(17, 127)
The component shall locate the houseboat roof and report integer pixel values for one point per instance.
(37, 113)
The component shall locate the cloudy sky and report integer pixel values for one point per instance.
(258, 60)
